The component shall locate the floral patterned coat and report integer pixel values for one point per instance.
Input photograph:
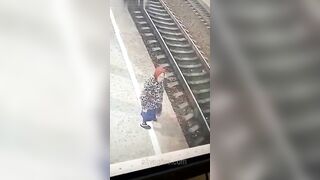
(152, 94)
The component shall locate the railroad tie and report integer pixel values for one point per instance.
(190, 65)
(142, 22)
(202, 81)
(145, 28)
(156, 6)
(165, 65)
(201, 91)
(181, 45)
(161, 56)
(203, 101)
(183, 105)
(157, 10)
(163, 22)
(169, 74)
(186, 58)
(178, 94)
(154, 2)
(152, 41)
(170, 33)
(148, 34)
(191, 74)
(139, 17)
(172, 84)
(188, 116)
(182, 51)
(159, 14)
(174, 39)
(194, 128)
(155, 49)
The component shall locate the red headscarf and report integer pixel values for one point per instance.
(158, 71)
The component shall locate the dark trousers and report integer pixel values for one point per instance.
(150, 115)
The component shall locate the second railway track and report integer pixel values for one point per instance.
(200, 11)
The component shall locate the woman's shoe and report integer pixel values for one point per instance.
(146, 126)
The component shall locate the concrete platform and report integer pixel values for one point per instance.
(128, 140)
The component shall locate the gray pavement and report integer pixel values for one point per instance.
(127, 140)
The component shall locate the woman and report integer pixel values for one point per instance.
(151, 97)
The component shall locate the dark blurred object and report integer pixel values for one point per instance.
(266, 90)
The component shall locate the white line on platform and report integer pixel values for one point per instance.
(151, 132)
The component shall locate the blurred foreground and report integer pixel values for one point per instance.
(266, 98)
(52, 80)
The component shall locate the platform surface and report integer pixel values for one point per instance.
(128, 140)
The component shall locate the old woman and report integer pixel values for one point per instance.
(152, 96)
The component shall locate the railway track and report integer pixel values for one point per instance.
(188, 81)
(188, 61)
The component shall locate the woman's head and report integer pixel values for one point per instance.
(159, 73)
